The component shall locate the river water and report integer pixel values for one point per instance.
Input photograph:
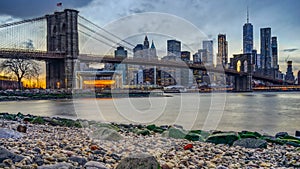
(263, 112)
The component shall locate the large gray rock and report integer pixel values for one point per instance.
(79, 160)
(8, 133)
(104, 133)
(5, 154)
(281, 134)
(223, 138)
(94, 165)
(173, 132)
(251, 143)
(62, 165)
(138, 161)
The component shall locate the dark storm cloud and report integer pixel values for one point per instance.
(290, 50)
(33, 8)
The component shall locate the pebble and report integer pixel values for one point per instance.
(51, 146)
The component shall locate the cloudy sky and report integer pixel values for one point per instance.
(204, 19)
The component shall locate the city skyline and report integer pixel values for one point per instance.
(208, 16)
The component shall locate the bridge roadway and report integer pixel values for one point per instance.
(30, 54)
(176, 64)
(44, 55)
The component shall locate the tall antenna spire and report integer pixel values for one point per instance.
(247, 14)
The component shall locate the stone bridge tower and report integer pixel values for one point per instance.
(62, 38)
(243, 63)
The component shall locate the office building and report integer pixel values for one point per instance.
(274, 47)
(298, 77)
(174, 48)
(254, 60)
(138, 51)
(265, 49)
(208, 46)
(222, 58)
(289, 72)
(247, 36)
(185, 56)
(120, 52)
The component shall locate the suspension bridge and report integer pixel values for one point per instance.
(64, 39)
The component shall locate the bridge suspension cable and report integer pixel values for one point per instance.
(25, 34)
(93, 37)
(105, 37)
(115, 36)
(99, 40)
(21, 22)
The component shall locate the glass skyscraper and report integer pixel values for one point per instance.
(222, 58)
(265, 48)
(274, 52)
(174, 48)
(247, 36)
(208, 46)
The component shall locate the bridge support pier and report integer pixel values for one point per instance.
(62, 38)
(243, 83)
(60, 73)
(55, 74)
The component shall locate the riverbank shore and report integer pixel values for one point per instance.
(69, 95)
(44, 142)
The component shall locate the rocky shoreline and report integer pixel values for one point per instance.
(30, 142)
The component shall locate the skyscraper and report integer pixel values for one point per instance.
(254, 59)
(121, 52)
(274, 52)
(289, 71)
(222, 58)
(299, 77)
(247, 36)
(174, 48)
(138, 51)
(275, 66)
(208, 46)
(146, 43)
(265, 49)
(152, 51)
(185, 56)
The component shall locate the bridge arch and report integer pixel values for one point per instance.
(238, 66)
(242, 64)
(245, 65)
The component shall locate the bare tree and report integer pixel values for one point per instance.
(20, 69)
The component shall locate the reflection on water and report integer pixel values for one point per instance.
(263, 112)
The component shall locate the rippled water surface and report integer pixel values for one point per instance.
(263, 112)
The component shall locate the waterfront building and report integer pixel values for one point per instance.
(247, 36)
(140, 74)
(8, 83)
(222, 57)
(99, 79)
(143, 50)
